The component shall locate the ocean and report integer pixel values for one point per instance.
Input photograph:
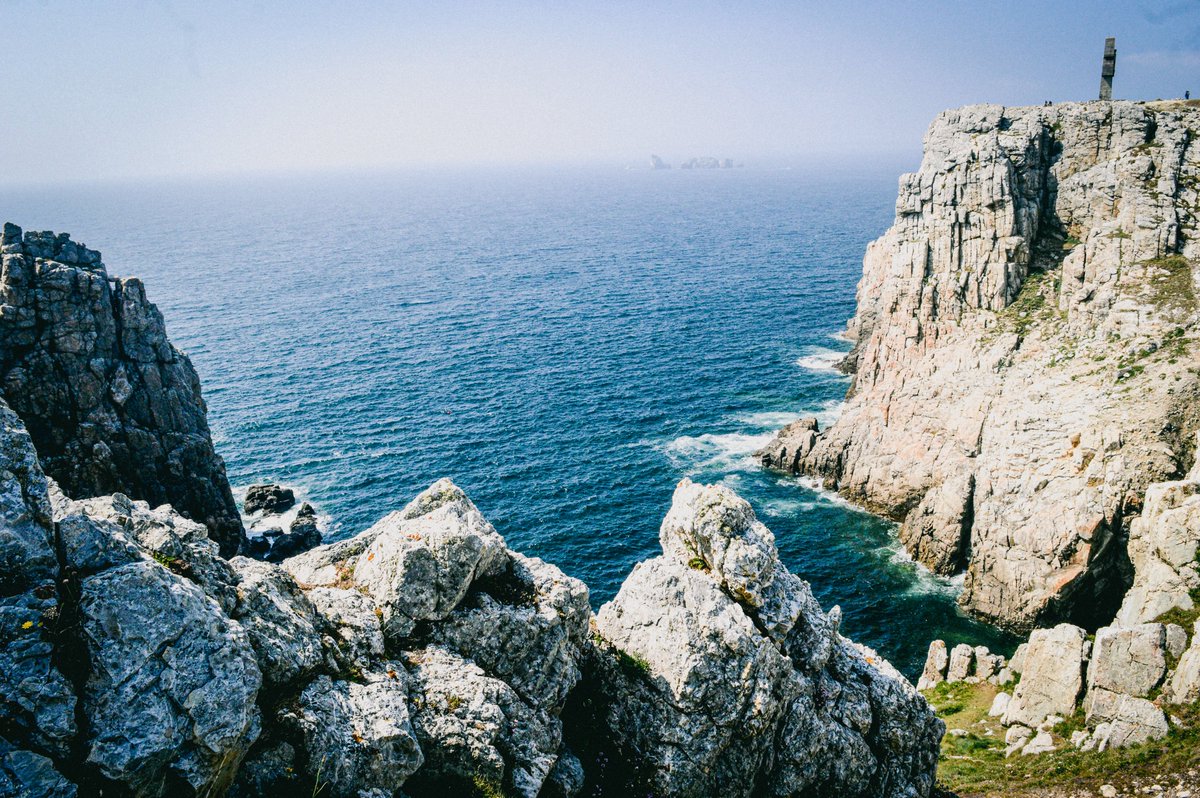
(565, 344)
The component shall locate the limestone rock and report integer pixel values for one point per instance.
(962, 660)
(1124, 720)
(419, 569)
(1163, 547)
(1041, 743)
(717, 671)
(283, 626)
(353, 617)
(1128, 660)
(1017, 329)
(473, 726)
(525, 626)
(1184, 685)
(790, 445)
(170, 695)
(936, 662)
(999, 705)
(110, 404)
(356, 737)
(1053, 676)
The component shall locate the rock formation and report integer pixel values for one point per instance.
(423, 655)
(715, 672)
(1021, 346)
(112, 407)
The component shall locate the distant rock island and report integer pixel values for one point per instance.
(697, 163)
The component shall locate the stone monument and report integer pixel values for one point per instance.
(1108, 68)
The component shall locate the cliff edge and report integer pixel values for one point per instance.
(1024, 358)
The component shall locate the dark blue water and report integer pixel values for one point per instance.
(564, 345)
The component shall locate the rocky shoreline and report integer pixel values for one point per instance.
(144, 656)
(1023, 365)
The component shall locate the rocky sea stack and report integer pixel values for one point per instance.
(420, 657)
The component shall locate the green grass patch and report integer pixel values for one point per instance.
(1169, 283)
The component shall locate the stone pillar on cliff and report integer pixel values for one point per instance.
(1108, 68)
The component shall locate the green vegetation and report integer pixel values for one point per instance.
(453, 702)
(1071, 242)
(698, 564)
(1119, 233)
(632, 664)
(1172, 286)
(1031, 306)
(972, 761)
(487, 786)
(1185, 618)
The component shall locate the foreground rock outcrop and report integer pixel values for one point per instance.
(110, 404)
(1021, 346)
(422, 655)
(715, 672)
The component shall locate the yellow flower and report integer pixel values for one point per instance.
(27, 625)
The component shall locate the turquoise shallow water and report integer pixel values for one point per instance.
(566, 345)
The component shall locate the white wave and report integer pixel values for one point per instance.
(822, 360)
(729, 450)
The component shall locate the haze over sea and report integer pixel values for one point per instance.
(565, 344)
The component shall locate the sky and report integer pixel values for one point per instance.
(157, 88)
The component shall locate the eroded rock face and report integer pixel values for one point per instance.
(110, 404)
(1018, 330)
(716, 672)
(1052, 676)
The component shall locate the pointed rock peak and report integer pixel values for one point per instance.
(437, 495)
(710, 528)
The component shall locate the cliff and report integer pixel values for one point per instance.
(421, 657)
(110, 404)
(1023, 354)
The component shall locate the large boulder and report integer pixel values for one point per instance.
(1123, 720)
(110, 404)
(172, 682)
(936, 663)
(355, 738)
(715, 671)
(1052, 676)
(1131, 661)
(1184, 685)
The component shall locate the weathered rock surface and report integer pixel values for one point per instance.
(718, 673)
(1052, 679)
(110, 404)
(1016, 386)
(268, 498)
(1131, 661)
(1163, 545)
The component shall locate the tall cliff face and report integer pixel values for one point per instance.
(111, 405)
(1024, 351)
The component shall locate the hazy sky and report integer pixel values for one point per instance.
(126, 89)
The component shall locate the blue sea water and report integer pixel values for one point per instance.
(565, 344)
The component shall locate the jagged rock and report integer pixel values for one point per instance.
(161, 534)
(1184, 685)
(419, 569)
(999, 705)
(37, 703)
(24, 774)
(566, 778)
(1163, 547)
(962, 658)
(937, 532)
(354, 618)
(936, 662)
(1053, 676)
(267, 499)
(720, 671)
(1015, 337)
(356, 737)
(987, 664)
(1124, 720)
(790, 445)
(525, 626)
(1017, 663)
(476, 729)
(1130, 661)
(170, 696)
(110, 404)
(269, 772)
(282, 624)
